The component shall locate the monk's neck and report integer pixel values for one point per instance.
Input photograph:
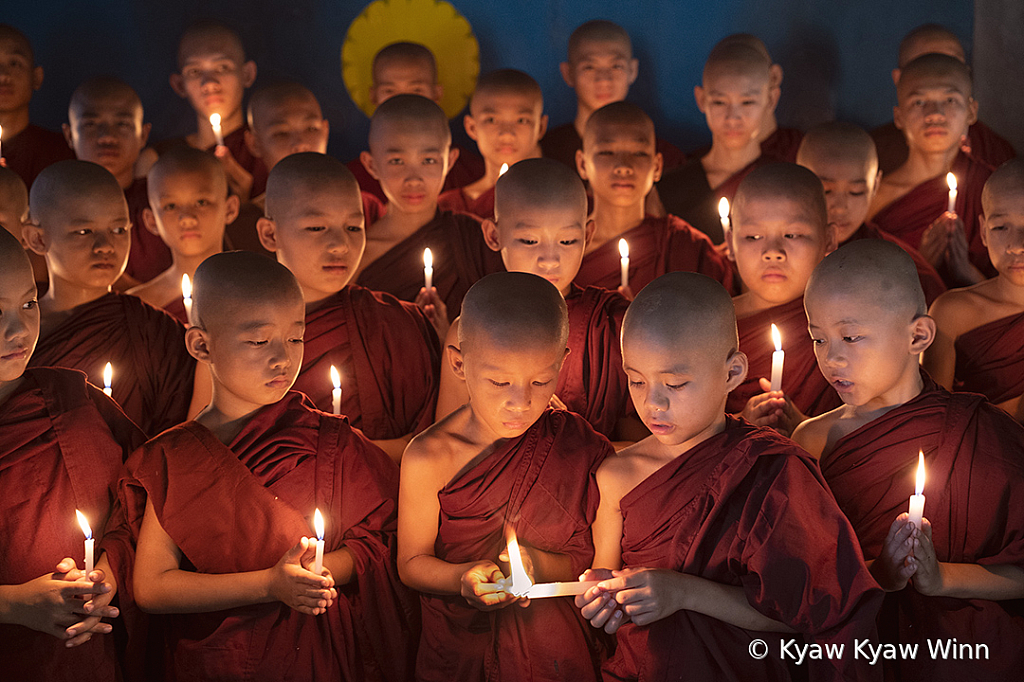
(226, 415)
(397, 224)
(712, 429)
(768, 127)
(13, 122)
(908, 387)
(721, 161)
(125, 179)
(583, 113)
(921, 166)
(186, 265)
(204, 136)
(1009, 292)
(63, 296)
(750, 303)
(612, 220)
(315, 300)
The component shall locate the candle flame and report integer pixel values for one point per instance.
(335, 378)
(318, 524)
(521, 582)
(623, 248)
(108, 374)
(776, 337)
(428, 258)
(723, 208)
(1, 132)
(84, 523)
(503, 169)
(186, 287)
(920, 473)
(215, 121)
(951, 181)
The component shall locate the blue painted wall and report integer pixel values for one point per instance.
(837, 54)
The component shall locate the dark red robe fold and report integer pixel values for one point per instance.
(982, 143)
(931, 282)
(253, 499)
(541, 484)
(990, 359)
(456, 201)
(656, 246)
(562, 143)
(974, 455)
(461, 257)
(802, 381)
(747, 507)
(783, 144)
(468, 168)
(32, 150)
(909, 216)
(388, 355)
(153, 373)
(62, 444)
(592, 382)
(149, 256)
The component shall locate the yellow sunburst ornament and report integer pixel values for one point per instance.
(434, 24)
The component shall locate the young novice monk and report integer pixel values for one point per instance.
(621, 163)
(502, 463)
(978, 346)
(62, 443)
(780, 232)
(189, 206)
(717, 533)
(506, 119)
(79, 222)
(385, 349)
(410, 152)
(241, 598)
(14, 215)
(934, 110)
(541, 227)
(957, 579)
(844, 159)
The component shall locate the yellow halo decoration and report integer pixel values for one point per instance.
(434, 24)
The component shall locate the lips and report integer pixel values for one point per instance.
(842, 385)
(658, 428)
(335, 268)
(278, 382)
(20, 354)
(773, 276)
(105, 265)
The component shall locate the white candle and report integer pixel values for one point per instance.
(624, 262)
(917, 499)
(544, 590)
(778, 359)
(503, 169)
(428, 268)
(318, 526)
(1, 140)
(520, 581)
(951, 183)
(336, 393)
(186, 296)
(84, 523)
(108, 375)
(215, 124)
(723, 214)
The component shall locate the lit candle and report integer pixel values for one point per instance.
(917, 499)
(503, 169)
(428, 268)
(520, 585)
(336, 393)
(951, 183)
(186, 296)
(215, 124)
(723, 214)
(318, 526)
(108, 374)
(1, 139)
(84, 523)
(624, 262)
(778, 359)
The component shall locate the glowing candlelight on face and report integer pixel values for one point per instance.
(624, 262)
(428, 268)
(108, 374)
(520, 584)
(951, 183)
(336, 393)
(778, 359)
(917, 499)
(723, 214)
(186, 296)
(318, 526)
(215, 124)
(84, 523)
(503, 169)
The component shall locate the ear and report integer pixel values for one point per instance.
(581, 164)
(634, 70)
(698, 96)
(469, 123)
(456, 362)
(922, 334)
(565, 68)
(68, 137)
(144, 137)
(35, 238)
(438, 93)
(253, 143)
(491, 236)
(874, 186)
(248, 74)
(177, 82)
(775, 75)
(543, 127)
(897, 117)
(373, 96)
(588, 232)
(197, 342)
(730, 252)
(773, 98)
(231, 208)
(659, 165)
(831, 238)
(896, 76)
(366, 159)
(453, 156)
(37, 77)
(327, 131)
(972, 112)
(737, 367)
(149, 221)
(267, 230)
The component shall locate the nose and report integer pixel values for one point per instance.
(279, 358)
(549, 258)
(834, 356)
(102, 242)
(656, 401)
(14, 327)
(732, 112)
(519, 399)
(838, 202)
(209, 78)
(774, 249)
(1016, 243)
(338, 240)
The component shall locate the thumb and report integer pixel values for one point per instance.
(765, 385)
(66, 565)
(292, 555)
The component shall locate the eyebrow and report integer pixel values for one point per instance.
(399, 150)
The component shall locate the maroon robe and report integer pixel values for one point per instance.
(909, 216)
(153, 372)
(782, 145)
(254, 498)
(62, 444)
(990, 359)
(931, 281)
(542, 485)
(592, 382)
(468, 168)
(388, 355)
(461, 257)
(656, 246)
(982, 143)
(457, 201)
(32, 150)
(746, 507)
(975, 503)
(802, 381)
(235, 142)
(562, 143)
(149, 256)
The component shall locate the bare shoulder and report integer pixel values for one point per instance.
(812, 434)
(958, 311)
(624, 470)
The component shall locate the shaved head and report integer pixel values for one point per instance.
(12, 254)
(409, 112)
(66, 182)
(210, 36)
(542, 183)
(930, 38)
(1007, 180)
(732, 57)
(873, 270)
(103, 88)
(619, 114)
(512, 310)
(186, 160)
(598, 31)
(264, 99)
(843, 142)
(235, 280)
(306, 172)
(785, 181)
(684, 308)
(13, 196)
(935, 66)
(508, 82)
(404, 52)
(12, 34)
(748, 39)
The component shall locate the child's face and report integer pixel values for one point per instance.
(403, 77)
(189, 210)
(776, 245)
(601, 72)
(292, 126)
(506, 126)
(734, 107)
(1002, 230)
(934, 112)
(319, 237)
(108, 131)
(19, 77)
(19, 318)
(849, 188)
(213, 77)
(410, 164)
(620, 163)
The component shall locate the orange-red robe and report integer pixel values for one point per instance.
(32, 150)
(746, 507)
(457, 201)
(931, 281)
(542, 485)
(990, 359)
(982, 142)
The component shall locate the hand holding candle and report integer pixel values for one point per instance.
(778, 359)
(215, 124)
(951, 183)
(624, 262)
(520, 585)
(917, 499)
(84, 523)
(723, 215)
(318, 526)
(336, 393)
(428, 269)
(108, 375)
(186, 296)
